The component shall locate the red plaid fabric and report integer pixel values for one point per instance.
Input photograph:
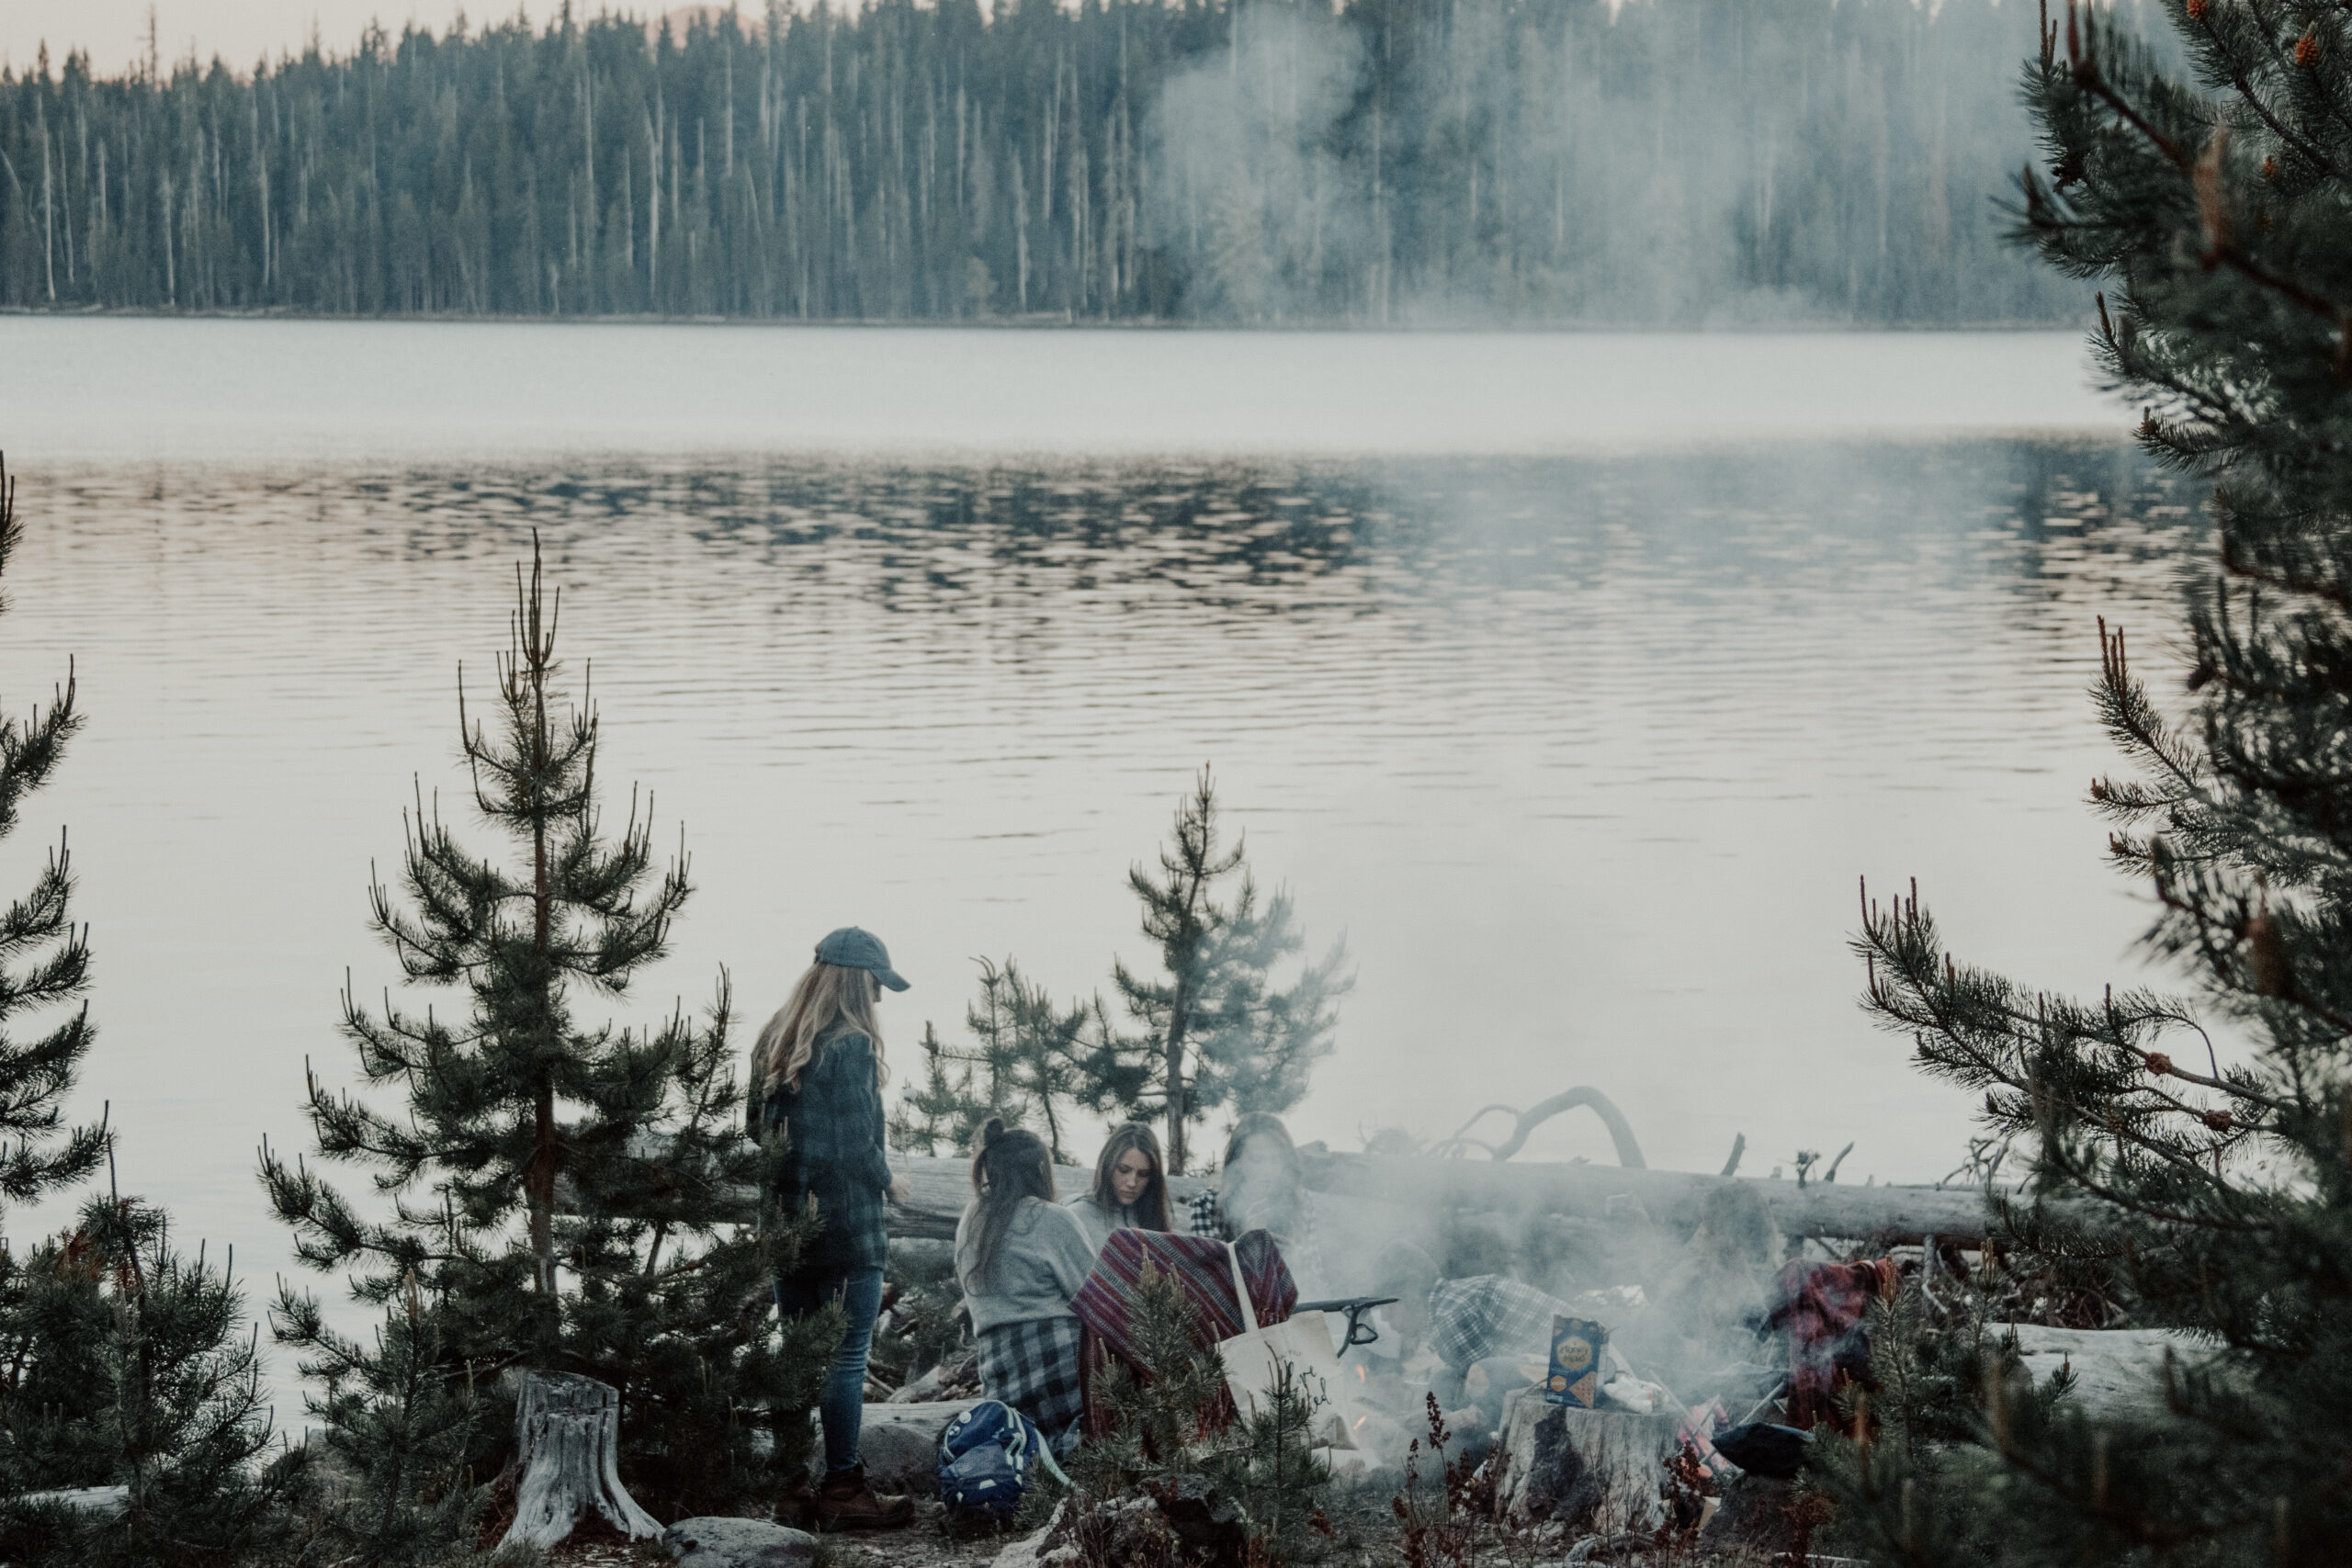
(1198, 1266)
(1821, 1306)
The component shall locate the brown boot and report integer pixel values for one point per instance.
(847, 1502)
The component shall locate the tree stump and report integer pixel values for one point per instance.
(566, 1433)
(1602, 1471)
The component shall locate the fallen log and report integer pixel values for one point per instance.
(1526, 1191)
(106, 1502)
(2119, 1374)
(1407, 1196)
(938, 1187)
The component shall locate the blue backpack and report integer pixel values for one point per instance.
(984, 1460)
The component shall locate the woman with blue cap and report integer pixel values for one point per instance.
(816, 1076)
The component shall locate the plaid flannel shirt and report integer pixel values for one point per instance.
(834, 1162)
(1487, 1314)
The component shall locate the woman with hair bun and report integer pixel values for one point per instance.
(1130, 1191)
(1021, 1258)
(816, 1076)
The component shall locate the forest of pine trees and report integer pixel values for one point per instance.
(1673, 162)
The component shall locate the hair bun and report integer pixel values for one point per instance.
(991, 1131)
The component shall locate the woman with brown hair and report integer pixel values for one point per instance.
(1130, 1191)
(816, 1076)
(1261, 1186)
(1021, 1258)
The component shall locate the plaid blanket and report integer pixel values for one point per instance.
(1198, 1266)
(1487, 1314)
(1823, 1308)
(1034, 1367)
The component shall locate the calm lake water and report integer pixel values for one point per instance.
(1583, 751)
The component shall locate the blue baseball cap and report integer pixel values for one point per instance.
(853, 948)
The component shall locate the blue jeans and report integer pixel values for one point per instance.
(842, 1406)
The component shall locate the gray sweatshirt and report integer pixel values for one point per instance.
(1041, 1260)
(1099, 1221)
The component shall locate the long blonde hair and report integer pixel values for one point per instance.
(827, 994)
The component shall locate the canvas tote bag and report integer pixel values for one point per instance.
(1253, 1358)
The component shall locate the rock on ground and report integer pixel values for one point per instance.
(899, 1444)
(1022, 1554)
(738, 1543)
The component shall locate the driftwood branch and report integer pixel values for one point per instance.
(1620, 1131)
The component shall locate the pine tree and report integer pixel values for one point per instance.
(1162, 1445)
(122, 1362)
(563, 1195)
(2217, 1197)
(1219, 1032)
(132, 1365)
(944, 1107)
(1032, 1061)
(402, 1423)
(51, 953)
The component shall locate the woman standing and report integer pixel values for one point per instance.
(1021, 1258)
(1130, 1191)
(817, 1073)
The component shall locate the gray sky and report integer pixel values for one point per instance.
(239, 32)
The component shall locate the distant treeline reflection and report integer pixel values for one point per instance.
(1678, 162)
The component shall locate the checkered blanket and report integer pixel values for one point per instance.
(1032, 1367)
(1487, 1314)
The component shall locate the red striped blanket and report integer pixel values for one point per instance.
(1197, 1264)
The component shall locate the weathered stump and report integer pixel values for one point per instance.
(567, 1435)
(1601, 1471)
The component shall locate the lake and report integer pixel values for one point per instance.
(1574, 680)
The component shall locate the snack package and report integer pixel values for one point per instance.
(1575, 1374)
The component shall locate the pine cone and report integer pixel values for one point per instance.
(2307, 48)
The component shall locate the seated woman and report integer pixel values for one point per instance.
(1130, 1191)
(1261, 1186)
(1019, 1258)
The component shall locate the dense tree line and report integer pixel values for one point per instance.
(1680, 162)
